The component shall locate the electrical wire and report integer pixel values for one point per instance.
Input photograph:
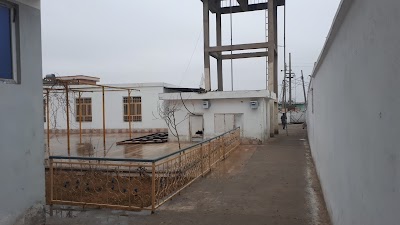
(191, 57)
(183, 102)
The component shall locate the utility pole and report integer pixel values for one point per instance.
(284, 99)
(290, 79)
(283, 92)
(304, 88)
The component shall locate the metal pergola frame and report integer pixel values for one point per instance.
(53, 86)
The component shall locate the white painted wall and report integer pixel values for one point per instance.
(254, 123)
(21, 139)
(113, 107)
(353, 122)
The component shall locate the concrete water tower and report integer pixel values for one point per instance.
(268, 49)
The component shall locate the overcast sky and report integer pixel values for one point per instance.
(131, 41)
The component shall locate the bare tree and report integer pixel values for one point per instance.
(167, 111)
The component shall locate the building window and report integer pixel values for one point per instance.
(84, 115)
(8, 42)
(135, 110)
(312, 100)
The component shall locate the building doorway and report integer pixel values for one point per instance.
(196, 128)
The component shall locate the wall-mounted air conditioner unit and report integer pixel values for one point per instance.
(206, 104)
(254, 104)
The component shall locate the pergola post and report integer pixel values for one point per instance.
(48, 120)
(104, 120)
(80, 116)
(67, 108)
(129, 114)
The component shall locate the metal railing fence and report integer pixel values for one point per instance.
(133, 184)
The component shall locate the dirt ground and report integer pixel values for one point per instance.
(274, 183)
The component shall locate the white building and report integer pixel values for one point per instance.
(200, 115)
(205, 115)
(22, 194)
(144, 108)
(248, 110)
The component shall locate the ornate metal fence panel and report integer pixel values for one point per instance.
(100, 183)
(133, 184)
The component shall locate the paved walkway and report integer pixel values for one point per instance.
(270, 184)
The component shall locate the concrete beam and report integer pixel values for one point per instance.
(252, 7)
(219, 59)
(245, 55)
(206, 32)
(238, 47)
(214, 55)
(272, 63)
(218, 95)
(272, 43)
(244, 4)
(214, 5)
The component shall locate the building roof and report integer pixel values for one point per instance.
(218, 95)
(224, 7)
(180, 89)
(79, 77)
(90, 80)
(149, 84)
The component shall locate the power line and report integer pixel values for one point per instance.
(191, 57)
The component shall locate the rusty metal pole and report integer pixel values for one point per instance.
(129, 114)
(223, 146)
(67, 108)
(51, 181)
(209, 155)
(153, 188)
(201, 159)
(104, 121)
(80, 118)
(48, 121)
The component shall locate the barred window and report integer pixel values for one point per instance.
(135, 109)
(84, 115)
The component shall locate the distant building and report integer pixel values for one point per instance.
(144, 106)
(204, 115)
(80, 79)
(199, 115)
